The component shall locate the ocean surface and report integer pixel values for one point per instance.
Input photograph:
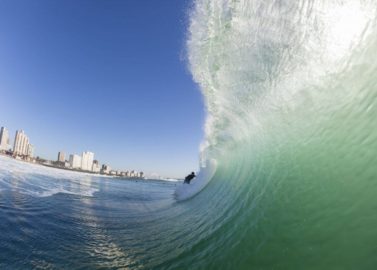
(288, 174)
(56, 219)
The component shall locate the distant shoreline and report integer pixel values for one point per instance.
(172, 180)
(72, 170)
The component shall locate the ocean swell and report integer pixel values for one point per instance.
(290, 91)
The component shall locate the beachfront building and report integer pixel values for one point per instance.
(30, 150)
(22, 147)
(4, 138)
(61, 157)
(105, 169)
(75, 161)
(96, 168)
(87, 161)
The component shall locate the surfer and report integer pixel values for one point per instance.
(189, 178)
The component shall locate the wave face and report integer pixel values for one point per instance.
(291, 94)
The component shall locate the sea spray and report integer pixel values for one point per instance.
(290, 89)
(291, 95)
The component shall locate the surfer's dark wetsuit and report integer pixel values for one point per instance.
(189, 178)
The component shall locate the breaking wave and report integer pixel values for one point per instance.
(290, 89)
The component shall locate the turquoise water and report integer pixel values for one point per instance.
(290, 90)
(291, 95)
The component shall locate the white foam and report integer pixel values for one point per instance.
(57, 190)
(186, 191)
(41, 181)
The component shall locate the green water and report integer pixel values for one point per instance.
(290, 89)
(291, 93)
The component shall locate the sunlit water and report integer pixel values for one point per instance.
(53, 219)
(291, 93)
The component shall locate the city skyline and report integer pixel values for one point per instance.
(21, 145)
(22, 149)
(4, 138)
(108, 82)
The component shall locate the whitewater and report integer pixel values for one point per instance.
(290, 89)
(288, 175)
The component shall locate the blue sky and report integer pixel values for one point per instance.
(105, 76)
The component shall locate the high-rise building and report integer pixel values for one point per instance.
(21, 144)
(87, 161)
(4, 138)
(30, 150)
(75, 161)
(61, 157)
(105, 169)
(96, 168)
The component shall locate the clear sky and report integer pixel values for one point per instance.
(106, 76)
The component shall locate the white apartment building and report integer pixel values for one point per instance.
(75, 161)
(87, 161)
(21, 144)
(96, 168)
(4, 139)
(61, 157)
(30, 150)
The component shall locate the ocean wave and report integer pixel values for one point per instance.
(290, 92)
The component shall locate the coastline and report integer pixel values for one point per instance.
(87, 173)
